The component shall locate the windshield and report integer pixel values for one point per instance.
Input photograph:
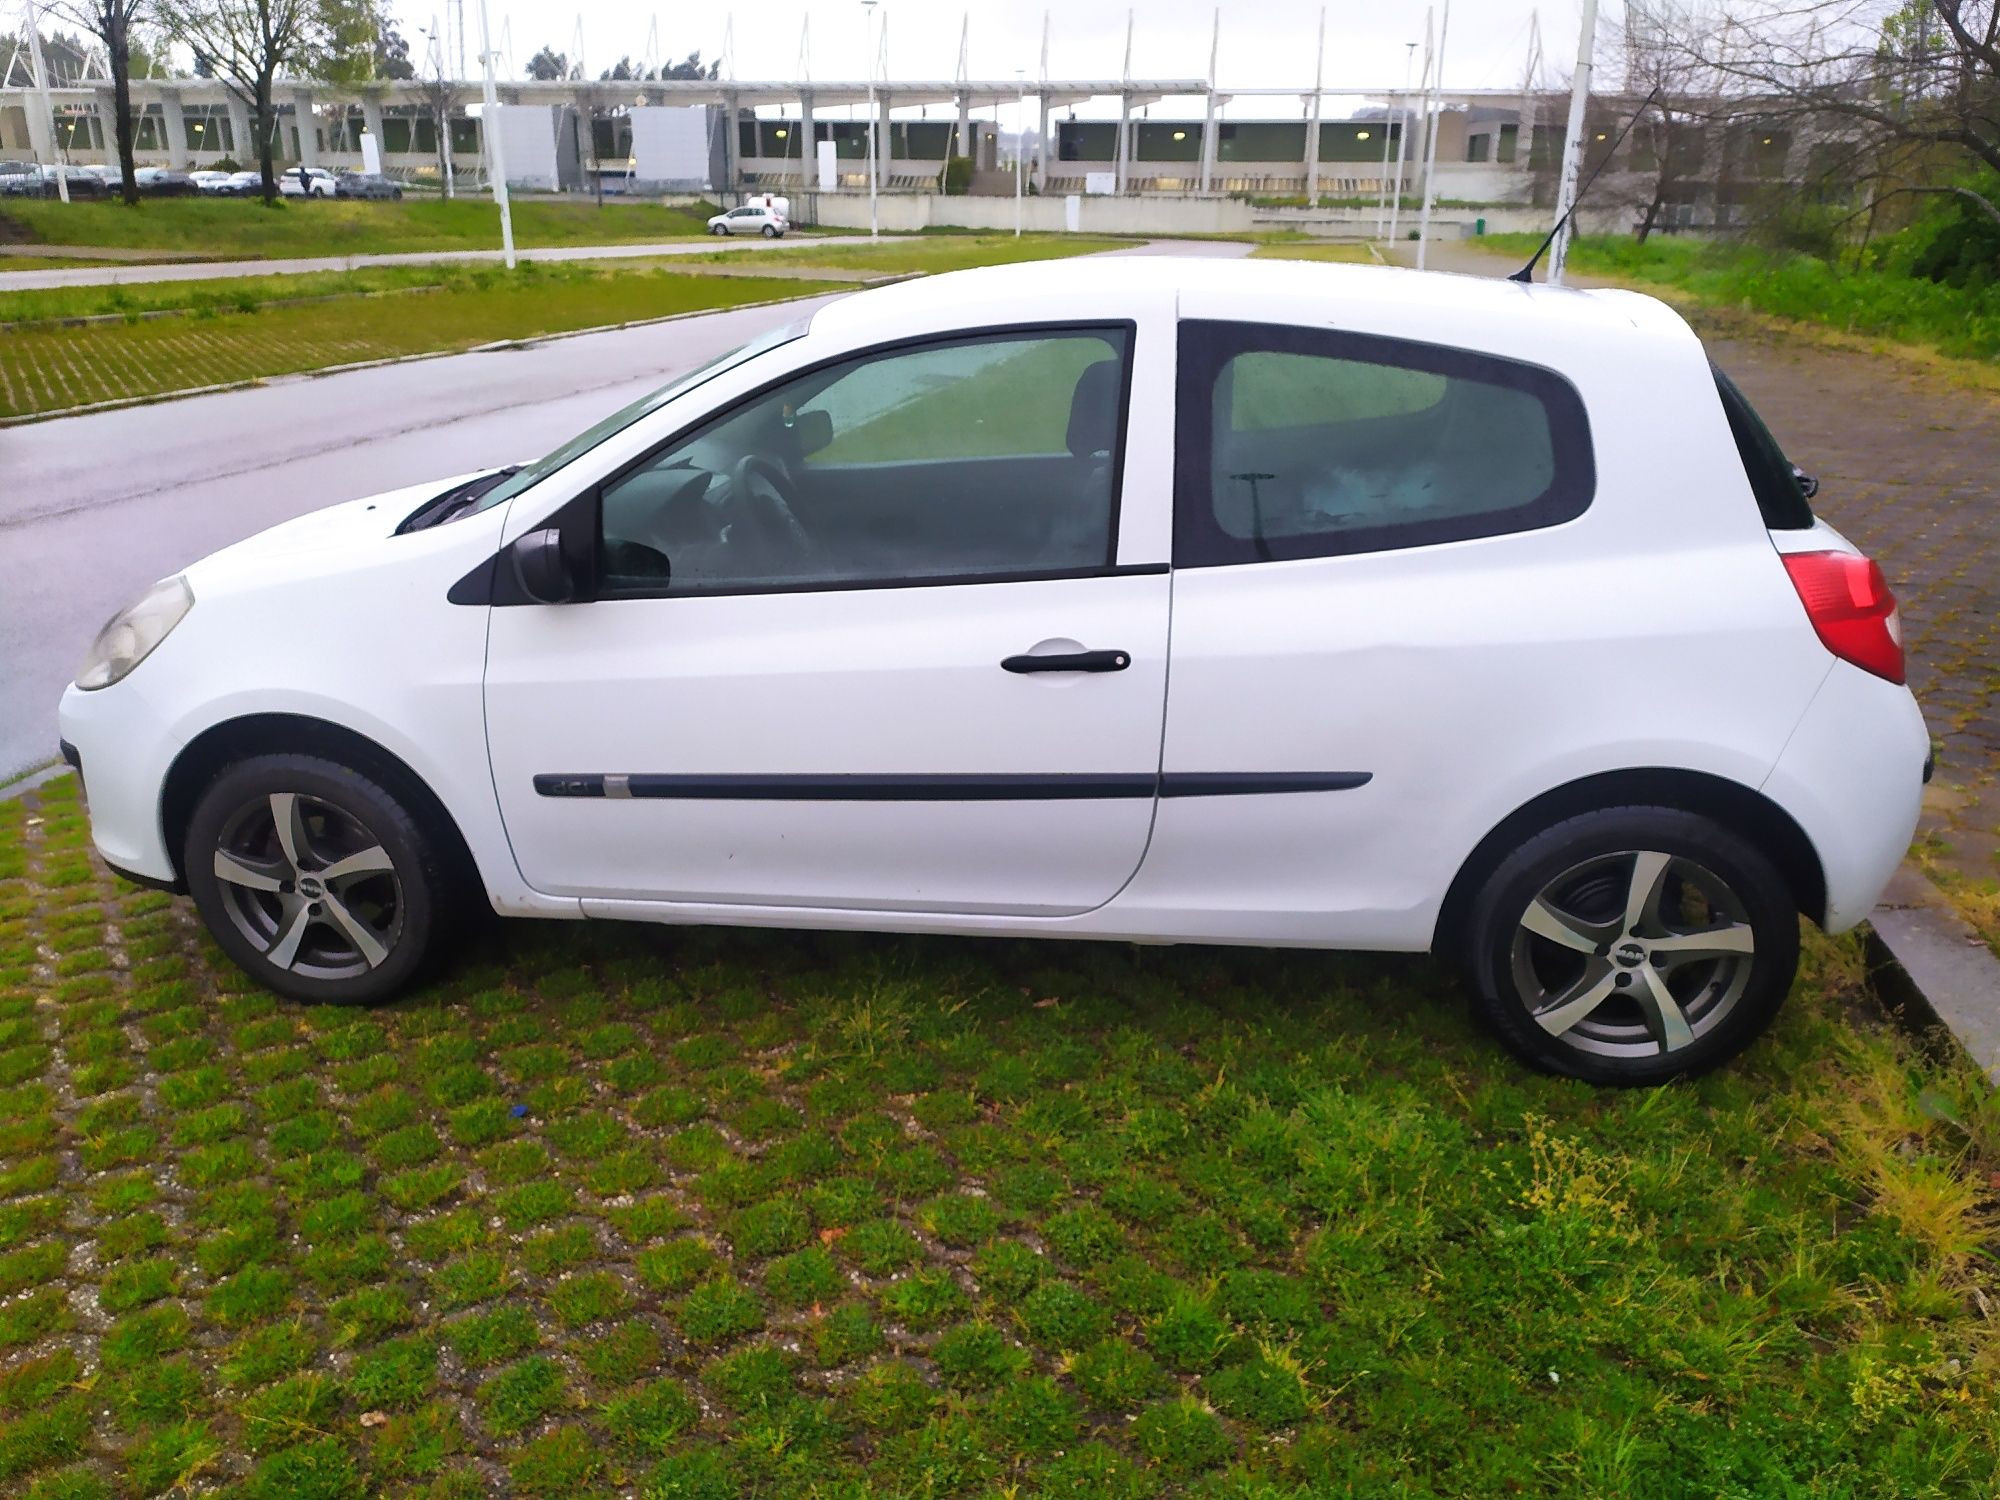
(646, 405)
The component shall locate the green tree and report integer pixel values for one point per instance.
(246, 42)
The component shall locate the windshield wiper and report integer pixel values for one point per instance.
(455, 501)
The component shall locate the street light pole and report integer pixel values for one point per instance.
(874, 213)
(489, 131)
(1431, 133)
(1020, 146)
(1402, 138)
(1572, 165)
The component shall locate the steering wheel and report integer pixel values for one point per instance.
(760, 492)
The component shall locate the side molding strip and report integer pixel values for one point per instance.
(1057, 787)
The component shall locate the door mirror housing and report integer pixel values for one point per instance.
(540, 569)
(1808, 485)
(812, 430)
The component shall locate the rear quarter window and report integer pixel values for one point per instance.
(1299, 442)
(1779, 498)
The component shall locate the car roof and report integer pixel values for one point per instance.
(1440, 307)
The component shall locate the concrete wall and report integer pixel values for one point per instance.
(912, 211)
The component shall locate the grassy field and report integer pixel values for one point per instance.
(754, 1214)
(50, 368)
(242, 328)
(231, 228)
(242, 293)
(1353, 255)
(944, 253)
(1963, 322)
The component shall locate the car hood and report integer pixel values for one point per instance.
(338, 527)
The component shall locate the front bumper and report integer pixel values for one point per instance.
(118, 741)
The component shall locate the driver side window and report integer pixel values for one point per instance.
(963, 460)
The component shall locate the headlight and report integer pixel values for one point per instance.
(129, 636)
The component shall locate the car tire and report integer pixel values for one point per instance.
(718, 229)
(1632, 945)
(280, 905)
(770, 231)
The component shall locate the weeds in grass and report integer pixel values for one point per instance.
(1219, 1223)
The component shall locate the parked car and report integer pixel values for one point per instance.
(164, 182)
(1500, 627)
(210, 182)
(40, 182)
(365, 185)
(244, 184)
(751, 218)
(306, 182)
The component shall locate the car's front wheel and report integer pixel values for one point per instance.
(316, 879)
(718, 229)
(1632, 945)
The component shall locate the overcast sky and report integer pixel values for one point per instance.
(1265, 43)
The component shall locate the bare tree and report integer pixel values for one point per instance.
(247, 42)
(1914, 83)
(434, 84)
(111, 22)
(1683, 105)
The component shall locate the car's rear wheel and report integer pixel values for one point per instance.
(770, 231)
(317, 880)
(1632, 945)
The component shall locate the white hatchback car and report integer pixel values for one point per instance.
(1158, 600)
(306, 182)
(752, 218)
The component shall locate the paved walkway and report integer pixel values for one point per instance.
(210, 270)
(1907, 461)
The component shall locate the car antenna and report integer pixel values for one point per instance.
(1526, 275)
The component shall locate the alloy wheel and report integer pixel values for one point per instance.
(1633, 954)
(309, 885)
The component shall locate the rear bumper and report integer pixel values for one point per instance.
(1852, 777)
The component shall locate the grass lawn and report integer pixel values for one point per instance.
(1353, 255)
(933, 254)
(228, 228)
(719, 1214)
(1963, 322)
(48, 368)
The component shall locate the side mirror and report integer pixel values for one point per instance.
(1808, 486)
(540, 569)
(813, 430)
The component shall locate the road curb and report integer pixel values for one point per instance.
(528, 342)
(1926, 960)
(27, 781)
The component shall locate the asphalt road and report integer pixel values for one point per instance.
(94, 508)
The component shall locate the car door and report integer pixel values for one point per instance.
(860, 641)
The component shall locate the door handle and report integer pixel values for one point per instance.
(1070, 661)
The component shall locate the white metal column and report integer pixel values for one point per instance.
(1579, 102)
(489, 134)
(1431, 134)
(1312, 125)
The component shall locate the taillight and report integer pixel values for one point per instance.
(1849, 604)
